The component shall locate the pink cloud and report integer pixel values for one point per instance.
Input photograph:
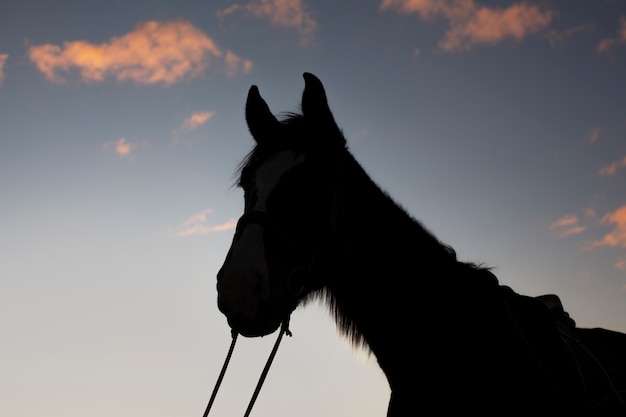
(471, 24)
(567, 226)
(557, 37)
(121, 147)
(192, 122)
(153, 53)
(196, 225)
(198, 218)
(197, 119)
(610, 169)
(3, 61)
(593, 135)
(606, 44)
(289, 14)
(617, 237)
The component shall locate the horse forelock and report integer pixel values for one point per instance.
(294, 133)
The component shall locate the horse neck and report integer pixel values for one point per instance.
(381, 236)
(383, 256)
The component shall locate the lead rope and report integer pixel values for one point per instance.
(283, 329)
(222, 372)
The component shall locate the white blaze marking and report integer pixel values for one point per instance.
(270, 172)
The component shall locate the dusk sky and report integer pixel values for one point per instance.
(500, 125)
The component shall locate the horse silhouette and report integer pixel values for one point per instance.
(446, 334)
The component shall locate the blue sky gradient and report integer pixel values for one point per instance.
(499, 125)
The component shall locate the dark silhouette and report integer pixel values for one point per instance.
(446, 334)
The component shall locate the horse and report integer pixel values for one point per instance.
(447, 335)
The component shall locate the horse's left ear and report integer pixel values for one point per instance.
(315, 107)
(262, 123)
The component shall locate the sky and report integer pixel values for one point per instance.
(500, 125)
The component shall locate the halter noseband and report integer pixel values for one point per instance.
(299, 276)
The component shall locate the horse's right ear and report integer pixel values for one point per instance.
(262, 124)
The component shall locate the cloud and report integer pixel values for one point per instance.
(197, 119)
(567, 226)
(610, 169)
(617, 237)
(121, 147)
(606, 44)
(234, 64)
(570, 224)
(153, 53)
(290, 14)
(471, 24)
(3, 61)
(558, 37)
(192, 122)
(593, 135)
(196, 225)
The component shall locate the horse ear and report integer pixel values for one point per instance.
(261, 122)
(315, 106)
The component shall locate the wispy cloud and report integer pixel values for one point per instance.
(570, 225)
(593, 135)
(153, 53)
(558, 37)
(471, 24)
(197, 119)
(617, 236)
(120, 146)
(610, 169)
(290, 14)
(567, 226)
(196, 225)
(3, 61)
(192, 122)
(607, 44)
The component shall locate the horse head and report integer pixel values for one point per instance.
(290, 180)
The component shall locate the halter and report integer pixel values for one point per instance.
(298, 277)
(261, 218)
(296, 285)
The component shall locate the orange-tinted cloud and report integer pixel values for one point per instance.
(557, 37)
(121, 147)
(606, 44)
(153, 53)
(192, 122)
(471, 24)
(610, 169)
(567, 226)
(3, 61)
(289, 14)
(593, 135)
(617, 237)
(197, 119)
(196, 225)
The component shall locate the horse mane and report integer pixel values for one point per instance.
(291, 123)
(349, 328)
